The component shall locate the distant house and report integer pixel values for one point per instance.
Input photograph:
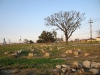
(90, 39)
(97, 38)
(83, 40)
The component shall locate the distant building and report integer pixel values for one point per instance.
(90, 39)
(97, 38)
(83, 40)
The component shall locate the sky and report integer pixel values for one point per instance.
(25, 18)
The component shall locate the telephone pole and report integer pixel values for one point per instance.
(90, 30)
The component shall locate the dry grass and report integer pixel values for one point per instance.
(33, 66)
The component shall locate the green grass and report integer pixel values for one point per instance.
(40, 62)
(27, 63)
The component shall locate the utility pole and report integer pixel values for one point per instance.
(91, 29)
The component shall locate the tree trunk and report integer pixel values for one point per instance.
(66, 38)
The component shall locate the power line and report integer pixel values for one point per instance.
(94, 20)
(86, 33)
(83, 33)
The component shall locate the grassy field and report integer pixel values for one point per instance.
(41, 63)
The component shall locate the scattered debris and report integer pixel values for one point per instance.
(86, 54)
(58, 66)
(87, 64)
(47, 55)
(69, 52)
(30, 55)
(76, 69)
(94, 71)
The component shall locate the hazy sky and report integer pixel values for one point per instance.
(25, 18)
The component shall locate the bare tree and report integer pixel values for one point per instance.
(67, 22)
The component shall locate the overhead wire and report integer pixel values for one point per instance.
(84, 25)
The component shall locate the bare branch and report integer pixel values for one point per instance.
(67, 22)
